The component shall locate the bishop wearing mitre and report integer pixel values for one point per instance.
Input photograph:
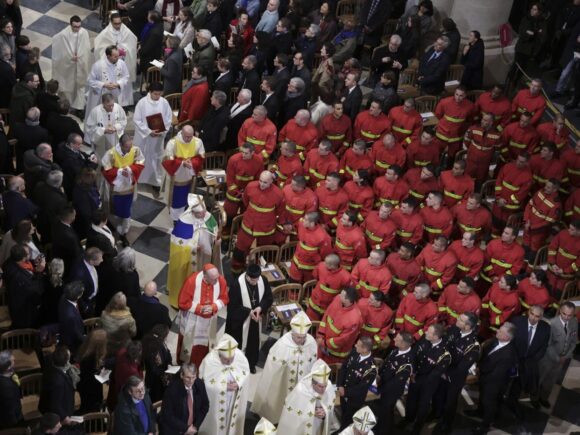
(226, 373)
(289, 360)
(308, 408)
(363, 421)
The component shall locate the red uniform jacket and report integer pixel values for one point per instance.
(305, 138)
(469, 260)
(543, 170)
(409, 227)
(454, 119)
(377, 322)
(393, 192)
(563, 251)
(480, 144)
(262, 136)
(452, 304)
(286, 168)
(572, 159)
(436, 222)
(548, 133)
(406, 273)
(526, 102)
(262, 208)
(419, 188)
(380, 234)
(340, 328)
(194, 102)
(239, 173)
(421, 155)
(313, 245)
(499, 305)
(349, 245)
(370, 128)
(513, 185)
(317, 167)
(383, 157)
(351, 162)
(500, 108)
(415, 316)
(438, 267)
(516, 139)
(572, 206)
(543, 210)
(368, 279)
(361, 199)
(472, 221)
(405, 126)
(531, 295)
(296, 204)
(455, 189)
(502, 258)
(331, 204)
(338, 131)
(329, 284)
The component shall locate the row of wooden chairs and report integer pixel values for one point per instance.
(408, 86)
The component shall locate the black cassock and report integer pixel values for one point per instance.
(237, 314)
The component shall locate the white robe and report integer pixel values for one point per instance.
(286, 364)
(71, 75)
(124, 39)
(103, 71)
(152, 147)
(350, 431)
(95, 125)
(227, 409)
(298, 412)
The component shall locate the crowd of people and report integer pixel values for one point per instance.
(423, 245)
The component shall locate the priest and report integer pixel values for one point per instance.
(183, 161)
(203, 294)
(308, 408)
(119, 35)
(264, 427)
(289, 360)
(363, 421)
(226, 374)
(105, 125)
(192, 245)
(152, 120)
(71, 62)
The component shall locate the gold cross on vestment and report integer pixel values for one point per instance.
(229, 348)
(366, 421)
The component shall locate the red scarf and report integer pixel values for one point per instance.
(27, 266)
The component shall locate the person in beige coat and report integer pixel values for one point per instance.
(117, 321)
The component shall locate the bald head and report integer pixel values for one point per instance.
(302, 117)
(187, 133)
(266, 180)
(211, 275)
(150, 289)
(16, 184)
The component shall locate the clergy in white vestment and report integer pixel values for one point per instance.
(289, 360)
(226, 373)
(363, 421)
(71, 62)
(308, 408)
(105, 125)
(109, 75)
(151, 141)
(119, 35)
(264, 427)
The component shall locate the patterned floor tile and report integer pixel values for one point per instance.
(38, 39)
(92, 22)
(83, 4)
(148, 267)
(41, 6)
(163, 221)
(48, 26)
(161, 279)
(64, 11)
(46, 67)
(153, 243)
(567, 406)
(29, 15)
(135, 231)
(145, 209)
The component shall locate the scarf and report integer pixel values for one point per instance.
(194, 82)
(27, 266)
(345, 34)
(31, 123)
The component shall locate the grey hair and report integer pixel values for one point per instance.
(15, 182)
(5, 360)
(396, 39)
(220, 96)
(33, 114)
(510, 329)
(298, 83)
(246, 94)
(125, 260)
(132, 382)
(252, 59)
(189, 367)
(303, 113)
(261, 110)
(107, 98)
(42, 148)
(54, 179)
(204, 33)
(56, 271)
(446, 41)
(315, 29)
(539, 308)
(424, 287)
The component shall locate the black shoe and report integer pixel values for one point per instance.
(480, 430)
(545, 403)
(253, 369)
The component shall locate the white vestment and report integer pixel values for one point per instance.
(72, 75)
(102, 72)
(227, 409)
(350, 431)
(286, 364)
(298, 412)
(126, 42)
(98, 120)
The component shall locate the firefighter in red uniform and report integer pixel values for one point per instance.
(416, 312)
(555, 132)
(314, 244)
(572, 207)
(336, 127)
(532, 291)
(499, 304)
(470, 257)
(530, 100)
(545, 165)
(319, 163)
(497, 104)
(541, 213)
(564, 257)
(455, 114)
(421, 181)
(259, 131)
(409, 222)
(339, 327)
(519, 136)
(503, 256)
(298, 200)
(391, 188)
(371, 124)
(571, 157)
(424, 150)
(332, 200)
(512, 187)
(350, 244)
(361, 197)
(438, 264)
(355, 158)
(300, 131)
(385, 153)
(371, 275)
(288, 164)
(405, 271)
(406, 122)
(455, 184)
(377, 319)
(330, 280)
(263, 201)
(481, 142)
(379, 228)
(437, 219)
(471, 217)
(457, 299)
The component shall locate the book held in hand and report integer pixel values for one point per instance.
(155, 122)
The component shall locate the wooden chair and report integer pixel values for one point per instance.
(233, 94)
(31, 387)
(307, 288)
(16, 431)
(185, 73)
(234, 228)
(408, 84)
(157, 407)
(25, 346)
(516, 220)
(461, 155)
(96, 423)
(153, 75)
(474, 95)
(174, 101)
(286, 293)
(92, 323)
(488, 192)
(106, 7)
(270, 253)
(286, 254)
(541, 258)
(5, 321)
(314, 327)
(426, 103)
(212, 160)
(334, 369)
(571, 290)
(455, 72)
(388, 29)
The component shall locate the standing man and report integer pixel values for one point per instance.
(438, 264)
(470, 257)
(350, 243)
(406, 122)
(503, 256)
(456, 185)
(371, 275)
(250, 299)
(563, 256)
(71, 62)
(433, 68)
(105, 125)
(330, 280)
(260, 132)
(454, 114)
(152, 119)
(458, 299)
(319, 163)
(481, 141)
(336, 127)
(416, 312)
(134, 412)
(203, 294)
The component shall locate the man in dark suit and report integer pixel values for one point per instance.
(433, 68)
(29, 135)
(225, 79)
(250, 77)
(352, 96)
(9, 77)
(270, 100)
(211, 129)
(72, 161)
(497, 362)
(69, 317)
(372, 17)
(185, 403)
(148, 311)
(134, 412)
(239, 112)
(85, 271)
(37, 164)
(294, 100)
(58, 393)
(16, 205)
(65, 242)
(60, 124)
(51, 200)
(10, 406)
(355, 377)
(281, 75)
(389, 57)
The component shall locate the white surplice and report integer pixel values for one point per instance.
(97, 121)
(125, 40)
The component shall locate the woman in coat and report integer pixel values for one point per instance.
(173, 66)
(473, 58)
(118, 322)
(91, 358)
(532, 38)
(156, 359)
(151, 41)
(127, 363)
(86, 200)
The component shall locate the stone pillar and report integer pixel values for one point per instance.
(444, 7)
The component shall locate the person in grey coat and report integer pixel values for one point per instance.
(171, 71)
(134, 414)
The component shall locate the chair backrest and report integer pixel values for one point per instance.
(408, 77)
(16, 431)
(20, 339)
(287, 251)
(474, 95)
(174, 100)
(307, 288)
(376, 49)
(488, 192)
(334, 369)
(314, 327)
(153, 75)
(233, 94)
(461, 155)
(214, 160)
(426, 103)
(234, 228)
(96, 422)
(157, 406)
(455, 72)
(31, 385)
(186, 71)
(270, 253)
(541, 256)
(346, 8)
(516, 220)
(571, 290)
(389, 28)
(92, 323)
(286, 293)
